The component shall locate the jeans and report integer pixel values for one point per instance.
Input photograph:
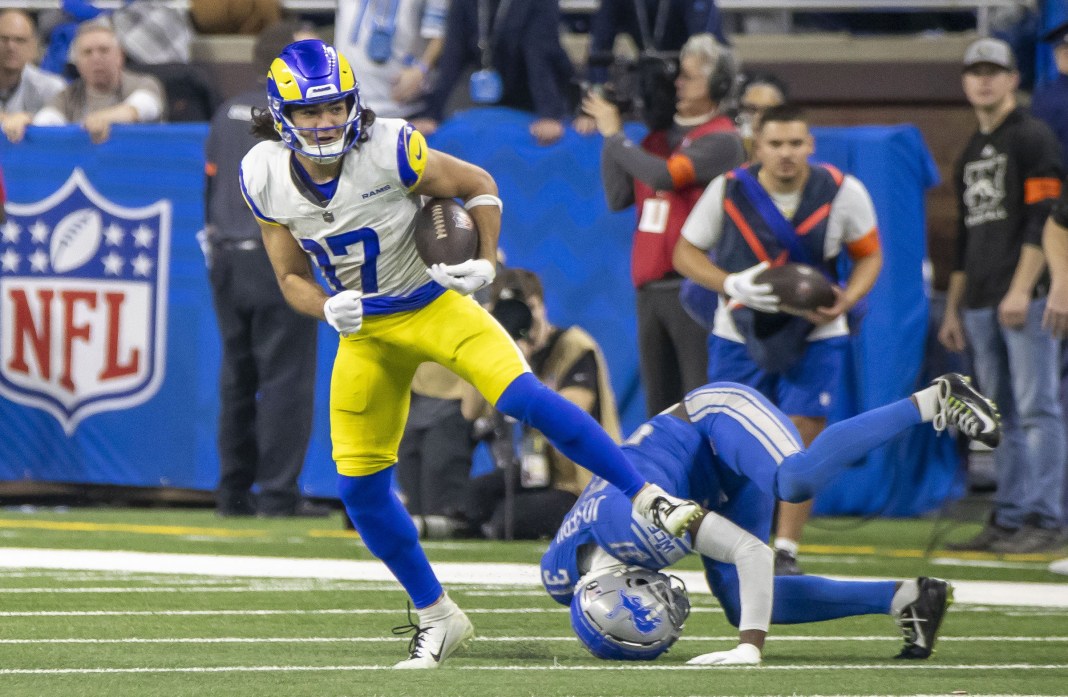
(1019, 369)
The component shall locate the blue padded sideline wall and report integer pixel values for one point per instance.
(555, 222)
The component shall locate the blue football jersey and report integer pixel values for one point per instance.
(725, 458)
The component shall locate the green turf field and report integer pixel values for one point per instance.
(108, 632)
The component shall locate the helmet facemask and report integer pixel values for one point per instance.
(305, 140)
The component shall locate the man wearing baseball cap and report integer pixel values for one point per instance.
(1050, 101)
(1007, 180)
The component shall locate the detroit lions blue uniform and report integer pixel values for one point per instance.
(735, 455)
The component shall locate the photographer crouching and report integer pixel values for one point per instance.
(664, 177)
(544, 483)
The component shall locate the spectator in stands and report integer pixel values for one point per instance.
(664, 177)
(523, 65)
(1055, 318)
(267, 375)
(1050, 102)
(759, 93)
(393, 47)
(149, 32)
(570, 362)
(781, 208)
(156, 39)
(1007, 178)
(104, 93)
(24, 88)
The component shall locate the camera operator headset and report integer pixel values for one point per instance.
(664, 177)
(659, 28)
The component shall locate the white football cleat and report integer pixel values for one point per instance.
(435, 640)
(670, 514)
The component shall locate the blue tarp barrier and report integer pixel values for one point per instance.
(89, 394)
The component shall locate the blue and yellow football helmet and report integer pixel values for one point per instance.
(313, 72)
(627, 613)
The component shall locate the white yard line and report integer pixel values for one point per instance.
(611, 667)
(238, 613)
(966, 592)
(503, 639)
(468, 610)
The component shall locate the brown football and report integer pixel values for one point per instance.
(798, 286)
(445, 233)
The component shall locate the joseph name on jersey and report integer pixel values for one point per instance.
(362, 237)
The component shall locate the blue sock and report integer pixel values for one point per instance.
(572, 431)
(389, 533)
(803, 474)
(801, 599)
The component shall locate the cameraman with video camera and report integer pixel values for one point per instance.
(664, 177)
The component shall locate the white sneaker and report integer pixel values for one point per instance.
(670, 514)
(435, 640)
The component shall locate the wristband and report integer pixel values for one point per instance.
(484, 200)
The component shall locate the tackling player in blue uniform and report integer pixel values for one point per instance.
(727, 447)
(335, 185)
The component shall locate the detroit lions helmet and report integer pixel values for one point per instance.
(313, 72)
(629, 614)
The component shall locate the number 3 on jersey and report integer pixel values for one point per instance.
(339, 245)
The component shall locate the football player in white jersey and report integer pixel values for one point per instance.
(343, 188)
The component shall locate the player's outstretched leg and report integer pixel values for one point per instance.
(961, 405)
(921, 619)
(581, 439)
(443, 628)
(948, 400)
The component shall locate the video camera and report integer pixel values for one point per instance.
(642, 88)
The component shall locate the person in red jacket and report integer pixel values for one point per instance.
(663, 177)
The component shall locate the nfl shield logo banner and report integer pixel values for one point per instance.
(83, 302)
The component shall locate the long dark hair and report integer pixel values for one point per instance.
(263, 125)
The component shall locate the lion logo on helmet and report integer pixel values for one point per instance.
(646, 620)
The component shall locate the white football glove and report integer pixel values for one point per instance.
(466, 277)
(344, 312)
(740, 655)
(757, 296)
